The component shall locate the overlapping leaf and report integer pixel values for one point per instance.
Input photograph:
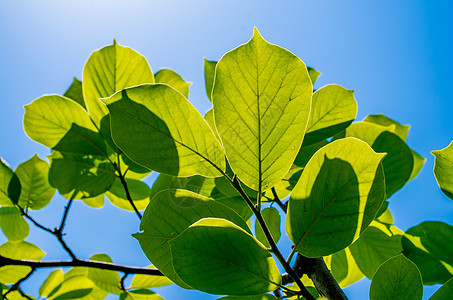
(12, 224)
(218, 257)
(272, 218)
(174, 80)
(109, 70)
(261, 96)
(157, 127)
(168, 214)
(337, 196)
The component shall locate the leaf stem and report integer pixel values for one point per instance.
(16, 286)
(126, 190)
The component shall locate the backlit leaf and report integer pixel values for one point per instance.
(75, 92)
(168, 214)
(109, 70)
(5, 177)
(158, 128)
(52, 281)
(247, 268)
(138, 190)
(109, 281)
(337, 196)
(272, 218)
(262, 97)
(209, 72)
(174, 80)
(13, 224)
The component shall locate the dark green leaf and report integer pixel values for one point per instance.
(444, 292)
(5, 177)
(399, 279)
(168, 214)
(14, 189)
(75, 92)
(235, 264)
(430, 246)
(13, 224)
(209, 72)
(400, 130)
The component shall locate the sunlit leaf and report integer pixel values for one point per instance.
(377, 244)
(333, 109)
(12, 224)
(18, 250)
(52, 281)
(138, 190)
(48, 119)
(343, 267)
(400, 130)
(36, 191)
(443, 169)
(209, 72)
(140, 294)
(261, 96)
(5, 177)
(109, 70)
(398, 278)
(149, 281)
(337, 196)
(247, 268)
(183, 208)
(158, 128)
(109, 281)
(314, 74)
(174, 80)
(94, 202)
(75, 92)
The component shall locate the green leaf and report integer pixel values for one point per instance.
(235, 264)
(174, 80)
(182, 208)
(398, 278)
(400, 130)
(75, 92)
(140, 281)
(272, 218)
(86, 176)
(377, 244)
(34, 178)
(254, 297)
(197, 184)
(14, 189)
(209, 117)
(430, 246)
(343, 267)
(138, 190)
(399, 162)
(444, 292)
(94, 202)
(261, 96)
(109, 70)
(80, 140)
(52, 281)
(108, 281)
(337, 196)
(13, 224)
(419, 161)
(140, 294)
(209, 73)
(314, 74)
(443, 169)
(77, 287)
(18, 250)
(5, 178)
(158, 128)
(332, 110)
(48, 119)
(237, 204)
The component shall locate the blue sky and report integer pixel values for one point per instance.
(396, 55)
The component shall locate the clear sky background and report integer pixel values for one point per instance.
(396, 55)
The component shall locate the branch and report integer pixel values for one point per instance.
(58, 232)
(5, 261)
(126, 189)
(315, 268)
(16, 286)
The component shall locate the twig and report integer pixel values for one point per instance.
(123, 279)
(126, 189)
(278, 201)
(5, 261)
(58, 232)
(16, 286)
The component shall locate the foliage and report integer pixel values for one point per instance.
(270, 145)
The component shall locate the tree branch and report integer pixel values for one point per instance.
(316, 270)
(5, 261)
(16, 286)
(126, 189)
